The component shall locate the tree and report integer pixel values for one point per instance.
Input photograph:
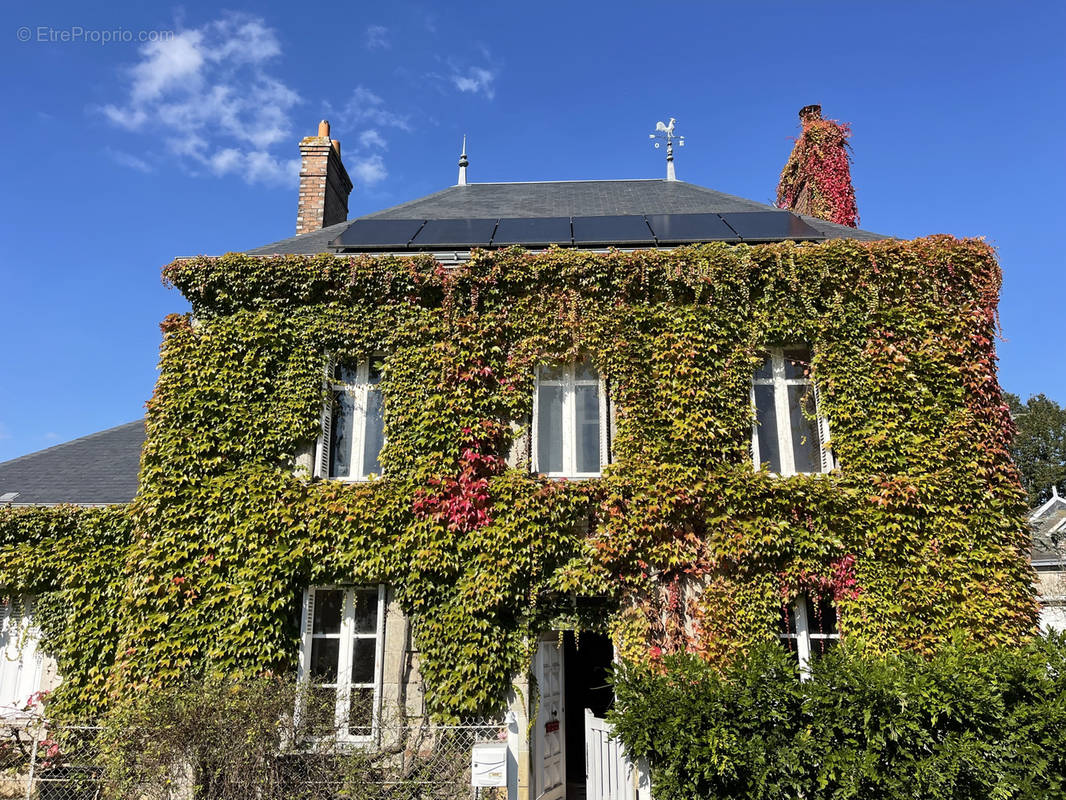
(1039, 447)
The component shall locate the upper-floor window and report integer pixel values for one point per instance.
(341, 653)
(789, 434)
(353, 423)
(808, 629)
(570, 421)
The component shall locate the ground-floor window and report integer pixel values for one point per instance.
(808, 629)
(340, 660)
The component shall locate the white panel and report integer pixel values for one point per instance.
(21, 664)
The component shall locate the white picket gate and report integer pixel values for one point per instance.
(609, 774)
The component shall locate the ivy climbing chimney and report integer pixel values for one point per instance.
(816, 179)
(324, 183)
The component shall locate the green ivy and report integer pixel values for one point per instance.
(682, 542)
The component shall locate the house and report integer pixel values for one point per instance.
(1048, 525)
(459, 455)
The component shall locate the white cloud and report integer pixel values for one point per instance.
(207, 91)
(51, 436)
(474, 80)
(4, 433)
(128, 160)
(371, 138)
(377, 38)
(366, 108)
(371, 122)
(370, 169)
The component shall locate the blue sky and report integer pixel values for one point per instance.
(121, 155)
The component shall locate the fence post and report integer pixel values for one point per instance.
(33, 763)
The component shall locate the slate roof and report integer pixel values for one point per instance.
(1048, 525)
(558, 199)
(98, 469)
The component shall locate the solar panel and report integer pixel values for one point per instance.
(378, 233)
(679, 228)
(622, 230)
(770, 226)
(533, 232)
(455, 233)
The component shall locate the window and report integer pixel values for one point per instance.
(353, 423)
(808, 629)
(21, 663)
(570, 421)
(342, 640)
(789, 434)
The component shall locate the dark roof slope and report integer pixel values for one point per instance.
(98, 469)
(1048, 525)
(559, 199)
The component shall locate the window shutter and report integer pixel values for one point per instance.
(325, 434)
(612, 425)
(825, 453)
(307, 620)
(606, 423)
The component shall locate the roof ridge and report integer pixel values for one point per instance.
(61, 445)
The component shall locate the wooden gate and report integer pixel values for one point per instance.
(609, 775)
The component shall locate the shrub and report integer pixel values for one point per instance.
(962, 724)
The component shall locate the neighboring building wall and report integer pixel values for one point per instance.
(1048, 525)
(24, 669)
(1051, 590)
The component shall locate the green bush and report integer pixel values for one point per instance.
(963, 724)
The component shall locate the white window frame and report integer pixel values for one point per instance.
(569, 381)
(780, 386)
(803, 637)
(22, 670)
(346, 651)
(359, 390)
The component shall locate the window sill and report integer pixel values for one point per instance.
(559, 476)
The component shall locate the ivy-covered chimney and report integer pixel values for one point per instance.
(324, 183)
(816, 179)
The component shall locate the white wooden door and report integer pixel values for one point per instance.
(549, 753)
(609, 775)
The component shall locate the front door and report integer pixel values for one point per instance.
(549, 755)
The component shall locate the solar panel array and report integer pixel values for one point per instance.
(633, 230)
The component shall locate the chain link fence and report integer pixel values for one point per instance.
(410, 762)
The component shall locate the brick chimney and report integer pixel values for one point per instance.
(816, 179)
(324, 183)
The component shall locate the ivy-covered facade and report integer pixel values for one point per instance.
(904, 520)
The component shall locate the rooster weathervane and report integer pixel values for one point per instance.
(666, 133)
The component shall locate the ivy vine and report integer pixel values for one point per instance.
(920, 534)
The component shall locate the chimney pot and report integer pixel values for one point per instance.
(323, 129)
(810, 113)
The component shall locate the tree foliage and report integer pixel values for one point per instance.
(1039, 446)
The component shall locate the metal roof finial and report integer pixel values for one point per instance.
(463, 164)
(666, 133)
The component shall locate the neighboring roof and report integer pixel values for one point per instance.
(558, 199)
(98, 469)
(1048, 524)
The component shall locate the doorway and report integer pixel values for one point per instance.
(588, 658)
